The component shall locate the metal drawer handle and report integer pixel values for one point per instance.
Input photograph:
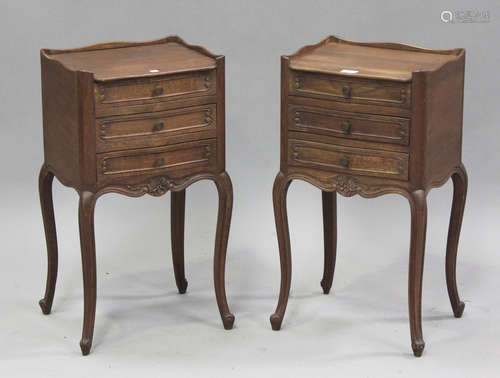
(160, 161)
(346, 91)
(344, 162)
(346, 127)
(158, 91)
(158, 126)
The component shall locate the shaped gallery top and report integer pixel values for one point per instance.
(374, 60)
(121, 60)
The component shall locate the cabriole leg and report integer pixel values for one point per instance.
(225, 189)
(280, 188)
(87, 245)
(45, 189)
(178, 202)
(418, 205)
(457, 212)
(330, 238)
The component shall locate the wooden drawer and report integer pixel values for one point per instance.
(156, 129)
(154, 89)
(357, 161)
(166, 159)
(358, 126)
(350, 89)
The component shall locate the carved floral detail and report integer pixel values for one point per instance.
(403, 95)
(298, 118)
(403, 132)
(207, 152)
(157, 186)
(347, 186)
(298, 81)
(208, 116)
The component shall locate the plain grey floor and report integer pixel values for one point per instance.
(143, 327)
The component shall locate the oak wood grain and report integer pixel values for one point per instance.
(393, 124)
(133, 118)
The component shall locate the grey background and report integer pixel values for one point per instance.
(143, 327)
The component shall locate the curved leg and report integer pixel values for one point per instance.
(280, 188)
(457, 212)
(45, 189)
(178, 201)
(225, 189)
(418, 206)
(87, 245)
(329, 237)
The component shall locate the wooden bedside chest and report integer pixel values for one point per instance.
(372, 119)
(133, 118)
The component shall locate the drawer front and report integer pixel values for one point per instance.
(155, 129)
(182, 156)
(154, 89)
(356, 161)
(347, 89)
(358, 126)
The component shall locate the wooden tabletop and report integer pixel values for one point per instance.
(128, 61)
(371, 60)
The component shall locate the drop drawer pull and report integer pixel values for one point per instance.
(158, 126)
(344, 161)
(346, 91)
(158, 91)
(346, 127)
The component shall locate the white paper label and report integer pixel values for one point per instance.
(349, 71)
(154, 70)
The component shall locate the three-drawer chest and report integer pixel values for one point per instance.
(371, 119)
(133, 118)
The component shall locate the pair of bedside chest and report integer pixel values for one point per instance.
(356, 118)
(134, 119)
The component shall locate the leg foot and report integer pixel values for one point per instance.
(280, 188)
(418, 348)
(87, 245)
(330, 238)
(276, 320)
(85, 345)
(418, 205)
(457, 211)
(178, 205)
(228, 321)
(182, 286)
(459, 309)
(44, 306)
(225, 189)
(45, 189)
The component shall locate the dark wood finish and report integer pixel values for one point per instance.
(45, 188)
(225, 190)
(87, 246)
(119, 60)
(110, 96)
(176, 157)
(418, 207)
(457, 213)
(156, 129)
(329, 200)
(178, 207)
(373, 60)
(371, 119)
(346, 159)
(280, 189)
(357, 126)
(133, 118)
(340, 88)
